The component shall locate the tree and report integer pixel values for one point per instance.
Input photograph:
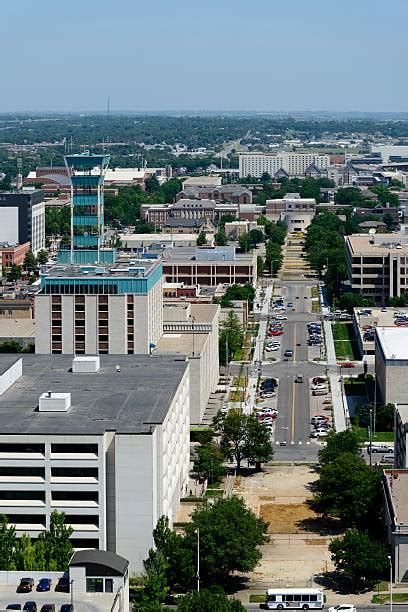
(384, 416)
(346, 441)
(152, 184)
(348, 489)
(155, 587)
(42, 257)
(207, 600)
(220, 237)
(230, 534)
(208, 462)
(57, 546)
(350, 196)
(349, 300)
(177, 557)
(359, 557)
(256, 236)
(388, 219)
(230, 337)
(243, 437)
(260, 265)
(10, 346)
(7, 544)
(238, 292)
(245, 243)
(15, 273)
(257, 444)
(201, 240)
(265, 178)
(25, 554)
(30, 262)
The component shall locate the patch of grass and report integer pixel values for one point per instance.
(345, 341)
(385, 598)
(214, 493)
(379, 436)
(256, 598)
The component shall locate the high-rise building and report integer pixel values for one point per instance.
(86, 173)
(280, 164)
(90, 309)
(22, 218)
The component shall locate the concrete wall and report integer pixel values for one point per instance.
(43, 324)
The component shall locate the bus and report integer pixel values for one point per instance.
(294, 598)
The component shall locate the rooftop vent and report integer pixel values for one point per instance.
(54, 402)
(85, 364)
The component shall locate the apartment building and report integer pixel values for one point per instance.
(391, 363)
(209, 266)
(13, 254)
(103, 439)
(377, 265)
(90, 310)
(22, 218)
(192, 330)
(291, 164)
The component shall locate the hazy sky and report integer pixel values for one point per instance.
(204, 54)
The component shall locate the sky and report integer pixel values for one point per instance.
(156, 55)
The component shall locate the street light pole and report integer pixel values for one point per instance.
(390, 560)
(371, 433)
(72, 593)
(198, 559)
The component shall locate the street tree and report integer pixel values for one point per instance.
(207, 600)
(57, 546)
(348, 489)
(346, 441)
(245, 243)
(15, 273)
(25, 557)
(7, 544)
(384, 416)
(257, 444)
(208, 462)
(220, 237)
(42, 257)
(349, 300)
(256, 236)
(230, 337)
(230, 534)
(260, 265)
(177, 558)
(155, 586)
(359, 557)
(30, 262)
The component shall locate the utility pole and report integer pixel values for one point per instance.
(198, 559)
(371, 434)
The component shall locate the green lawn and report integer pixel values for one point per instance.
(385, 598)
(257, 598)
(379, 436)
(345, 341)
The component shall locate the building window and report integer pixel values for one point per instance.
(94, 585)
(108, 585)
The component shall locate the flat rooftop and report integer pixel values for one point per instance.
(181, 343)
(189, 254)
(133, 268)
(378, 244)
(397, 489)
(17, 328)
(394, 342)
(132, 400)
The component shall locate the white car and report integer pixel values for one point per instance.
(280, 317)
(267, 410)
(343, 608)
(319, 386)
(270, 349)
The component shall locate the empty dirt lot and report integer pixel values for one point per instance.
(297, 550)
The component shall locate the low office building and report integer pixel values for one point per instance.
(139, 242)
(203, 181)
(209, 266)
(377, 265)
(192, 330)
(400, 436)
(395, 488)
(103, 439)
(391, 363)
(235, 193)
(13, 254)
(100, 309)
(235, 229)
(22, 218)
(188, 226)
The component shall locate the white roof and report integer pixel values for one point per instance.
(394, 342)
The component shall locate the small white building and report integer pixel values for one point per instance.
(391, 363)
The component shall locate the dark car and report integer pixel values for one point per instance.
(44, 584)
(26, 585)
(30, 606)
(63, 584)
(67, 608)
(48, 608)
(14, 607)
(288, 353)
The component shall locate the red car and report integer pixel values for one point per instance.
(275, 333)
(346, 364)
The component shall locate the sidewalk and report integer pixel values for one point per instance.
(340, 408)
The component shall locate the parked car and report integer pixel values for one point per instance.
(346, 364)
(48, 608)
(378, 447)
(266, 410)
(322, 425)
(14, 606)
(319, 386)
(67, 608)
(319, 418)
(319, 433)
(281, 317)
(44, 584)
(30, 606)
(277, 332)
(318, 379)
(389, 458)
(319, 391)
(271, 349)
(26, 585)
(267, 394)
(269, 381)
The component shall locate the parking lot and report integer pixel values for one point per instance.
(95, 602)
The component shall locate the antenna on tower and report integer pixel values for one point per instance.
(19, 182)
